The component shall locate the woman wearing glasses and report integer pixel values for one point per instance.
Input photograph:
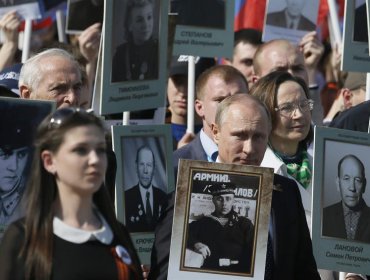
(287, 99)
(69, 230)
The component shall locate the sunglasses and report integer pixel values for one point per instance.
(61, 115)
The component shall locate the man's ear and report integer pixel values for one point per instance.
(25, 92)
(199, 108)
(337, 183)
(48, 161)
(215, 133)
(347, 97)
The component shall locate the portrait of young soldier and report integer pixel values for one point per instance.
(229, 246)
(18, 123)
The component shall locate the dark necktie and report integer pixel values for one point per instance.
(148, 209)
(291, 26)
(214, 156)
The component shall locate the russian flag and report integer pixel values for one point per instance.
(249, 14)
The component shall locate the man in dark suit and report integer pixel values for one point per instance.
(241, 131)
(349, 218)
(144, 202)
(213, 85)
(291, 17)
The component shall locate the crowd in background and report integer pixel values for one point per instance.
(298, 85)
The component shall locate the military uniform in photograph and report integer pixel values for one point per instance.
(135, 63)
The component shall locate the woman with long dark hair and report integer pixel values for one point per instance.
(70, 230)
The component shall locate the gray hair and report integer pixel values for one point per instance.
(30, 72)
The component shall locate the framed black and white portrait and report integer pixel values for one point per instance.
(220, 221)
(289, 19)
(83, 13)
(355, 52)
(134, 55)
(18, 124)
(144, 177)
(341, 212)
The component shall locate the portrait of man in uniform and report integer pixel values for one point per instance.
(291, 17)
(137, 58)
(223, 239)
(18, 124)
(349, 218)
(144, 201)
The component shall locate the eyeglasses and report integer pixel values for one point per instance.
(60, 115)
(287, 109)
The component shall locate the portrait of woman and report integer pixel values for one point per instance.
(137, 57)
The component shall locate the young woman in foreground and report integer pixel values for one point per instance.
(70, 230)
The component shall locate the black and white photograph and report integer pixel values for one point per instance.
(136, 57)
(83, 13)
(355, 56)
(341, 213)
(291, 16)
(223, 208)
(144, 178)
(360, 28)
(204, 28)
(220, 207)
(197, 13)
(144, 181)
(18, 123)
(346, 214)
(290, 19)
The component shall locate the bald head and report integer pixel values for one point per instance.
(279, 55)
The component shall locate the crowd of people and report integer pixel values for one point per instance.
(257, 107)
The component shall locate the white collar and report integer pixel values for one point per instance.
(209, 146)
(79, 236)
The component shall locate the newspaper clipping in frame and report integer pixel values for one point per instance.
(134, 71)
(221, 221)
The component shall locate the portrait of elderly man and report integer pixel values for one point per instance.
(223, 238)
(144, 201)
(291, 17)
(349, 218)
